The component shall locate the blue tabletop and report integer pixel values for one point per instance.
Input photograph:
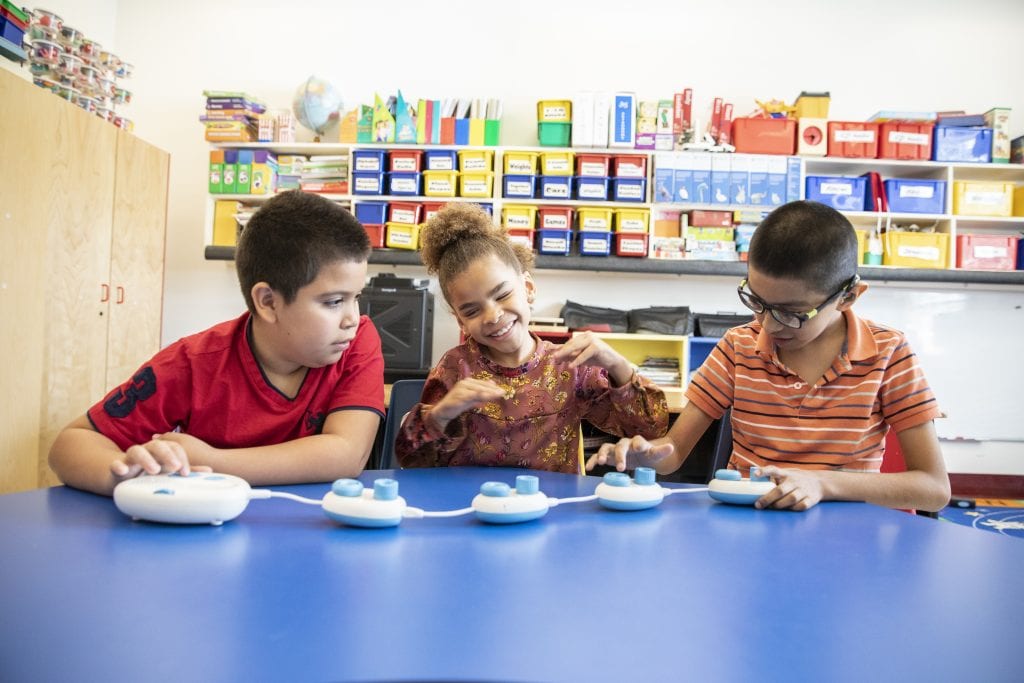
(690, 590)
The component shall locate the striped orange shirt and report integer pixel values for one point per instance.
(839, 423)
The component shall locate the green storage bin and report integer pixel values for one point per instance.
(553, 134)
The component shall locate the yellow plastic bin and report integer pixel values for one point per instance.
(632, 220)
(524, 217)
(973, 198)
(402, 236)
(594, 218)
(520, 163)
(440, 183)
(476, 184)
(476, 160)
(916, 249)
(554, 111)
(556, 163)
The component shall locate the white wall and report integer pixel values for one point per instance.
(871, 55)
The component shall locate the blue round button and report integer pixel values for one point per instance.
(616, 479)
(385, 489)
(495, 489)
(644, 476)
(527, 484)
(728, 475)
(349, 488)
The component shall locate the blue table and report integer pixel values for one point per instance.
(691, 590)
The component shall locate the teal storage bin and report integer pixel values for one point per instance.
(554, 134)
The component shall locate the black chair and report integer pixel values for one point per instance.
(405, 393)
(722, 450)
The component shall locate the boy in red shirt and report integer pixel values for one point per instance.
(292, 391)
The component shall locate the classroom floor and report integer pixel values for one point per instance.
(1002, 516)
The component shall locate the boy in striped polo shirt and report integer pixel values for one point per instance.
(813, 388)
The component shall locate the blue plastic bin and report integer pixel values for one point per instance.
(554, 186)
(595, 243)
(368, 160)
(374, 213)
(970, 144)
(554, 241)
(629, 189)
(521, 186)
(441, 160)
(916, 196)
(409, 184)
(367, 182)
(591, 188)
(839, 192)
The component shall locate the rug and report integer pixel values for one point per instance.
(1001, 516)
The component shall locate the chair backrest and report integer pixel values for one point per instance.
(723, 446)
(405, 393)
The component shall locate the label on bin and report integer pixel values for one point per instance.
(593, 169)
(917, 191)
(554, 113)
(901, 138)
(367, 185)
(594, 245)
(474, 188)
(984, 197)
(595, 223)
(631, 224)
(518, 188)
(440, 186)
(918, 252)
(397, 238)
(556, 165)
(632, 246)
(836, 188)
(591, 191)
(403, 216)
(521, 239)
(557, 221)
(630, 191)
(989, 251)
(517, 221)
(519, 166)
(404, 185)
(555, 191)
(403, 164)
(474, 164)
(555, 244)
(440, 164)
(855, 136)
(367, 163)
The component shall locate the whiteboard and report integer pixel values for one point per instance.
(970, 343)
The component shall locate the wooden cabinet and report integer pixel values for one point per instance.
(82, 223)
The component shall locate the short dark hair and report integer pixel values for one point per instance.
(291, 238)
(806, 241)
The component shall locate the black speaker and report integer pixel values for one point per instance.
(403, 311)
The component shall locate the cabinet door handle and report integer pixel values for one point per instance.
(120, 295)
(104, 293)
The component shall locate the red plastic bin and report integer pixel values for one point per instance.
(554, 217)
(409, 213)
(629, 166)
(405, 160)
(631, 244)
(905, 140)
(764, 136)
(592, 165)
(986, 252)
(853, 139)
(430, 208)
(376, 235)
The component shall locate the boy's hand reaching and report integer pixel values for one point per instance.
(164, 453)
(589, 349)
(794, 489)
(625, 453)
(467, 393)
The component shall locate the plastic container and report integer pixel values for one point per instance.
(554, 187)
(629, 166)
(594, 218)
(905, 140)
(523, 217)
(369, 160)
(87, 103)
(592, 165)
(518, 186)
(853, 139)
(440, 183)
(520, 163)
(109, 90)
(554, 241)
(123, 123)
(89, 49)
(405, 160)
(476, 160)
(367, 182)
(764, 136)
(408, 213)
(629, 189)
(45, 52)
(441, 160)
(553, 134)
(555, 217)
(402, 236)
(987, 252)
(125, 70)
(591, 188)
(556, 163)
(631, 244)
(376, 233)
(916, 249)
(968, 144)
(407, 184)
(916, 196)
(371, 212)
(839, 192)
(595, 243)
(69, 36)
(476, 184)
(976, 198)
(632, 220)
(105, 113)
(430, 209)
(523, 236)
(554, 111)
(47, 18)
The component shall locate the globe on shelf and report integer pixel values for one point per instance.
(316, 105)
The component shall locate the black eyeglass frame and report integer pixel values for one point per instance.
(759, 306)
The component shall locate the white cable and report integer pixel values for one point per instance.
(267, 493)
(669, 492)
(579, 499)
(417, 513)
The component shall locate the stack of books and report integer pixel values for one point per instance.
(661, 370)
(324, 174)
(231, 116)
(289, 171)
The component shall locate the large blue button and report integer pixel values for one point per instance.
(758, 476)
(644, 476)
(527, 484)
(616, 479)
(728, 475)
(385, 489)
(495, 489)
(349, 488)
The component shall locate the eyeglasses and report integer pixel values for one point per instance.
(790, 318)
